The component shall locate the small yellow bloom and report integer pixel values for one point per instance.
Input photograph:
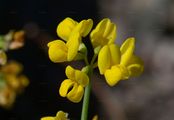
(61, 52)
(59, 116)
(73, 87)
(104, 33)
(57, 51)
(7, 97)
(119, 63)
(72, 32)
(68, 26)
(65, 28)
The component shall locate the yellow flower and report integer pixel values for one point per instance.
(7, 97)
(119, 63)
(12, 83)
(73, 87)
(69, 26)
(104, 33)
(12, 74)
(72, 32)
(65, 28)
(11, 67)
(61, 52)
(59, 116)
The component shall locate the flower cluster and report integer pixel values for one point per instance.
(71, 32)
(119, 63)
(114, 62)
(12, 82)
(10, 41)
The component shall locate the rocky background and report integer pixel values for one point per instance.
(150, 96)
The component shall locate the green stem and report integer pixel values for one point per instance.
(84, 115)
(93, 59)
(86, 60)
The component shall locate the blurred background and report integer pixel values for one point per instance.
(148, 97)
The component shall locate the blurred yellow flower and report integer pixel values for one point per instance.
(12, 40)
(59, 116)
(12, 74)
(104, 33)
(12, 83)
(11, 80)
(18, 40)
(73, 87)
(95, 117)
(7, 97)
(119, 63)
(71, 32)
(11, 67)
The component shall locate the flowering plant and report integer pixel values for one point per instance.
(12, 82)
(114, 62)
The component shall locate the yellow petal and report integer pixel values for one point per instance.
(65, 28)
(84, 27)
(73, 46)
(65, 86)
(135, 66)
(81, 78)
(70, 72)
(113, 75)
(48, 118)
(76, 94)
(61, 116)
(115, 54)
(127, 50)
(108, 56)
(104, 33)
(57, 51)
(104, 58)
(110, 31)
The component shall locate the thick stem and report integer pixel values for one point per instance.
(84, 115)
